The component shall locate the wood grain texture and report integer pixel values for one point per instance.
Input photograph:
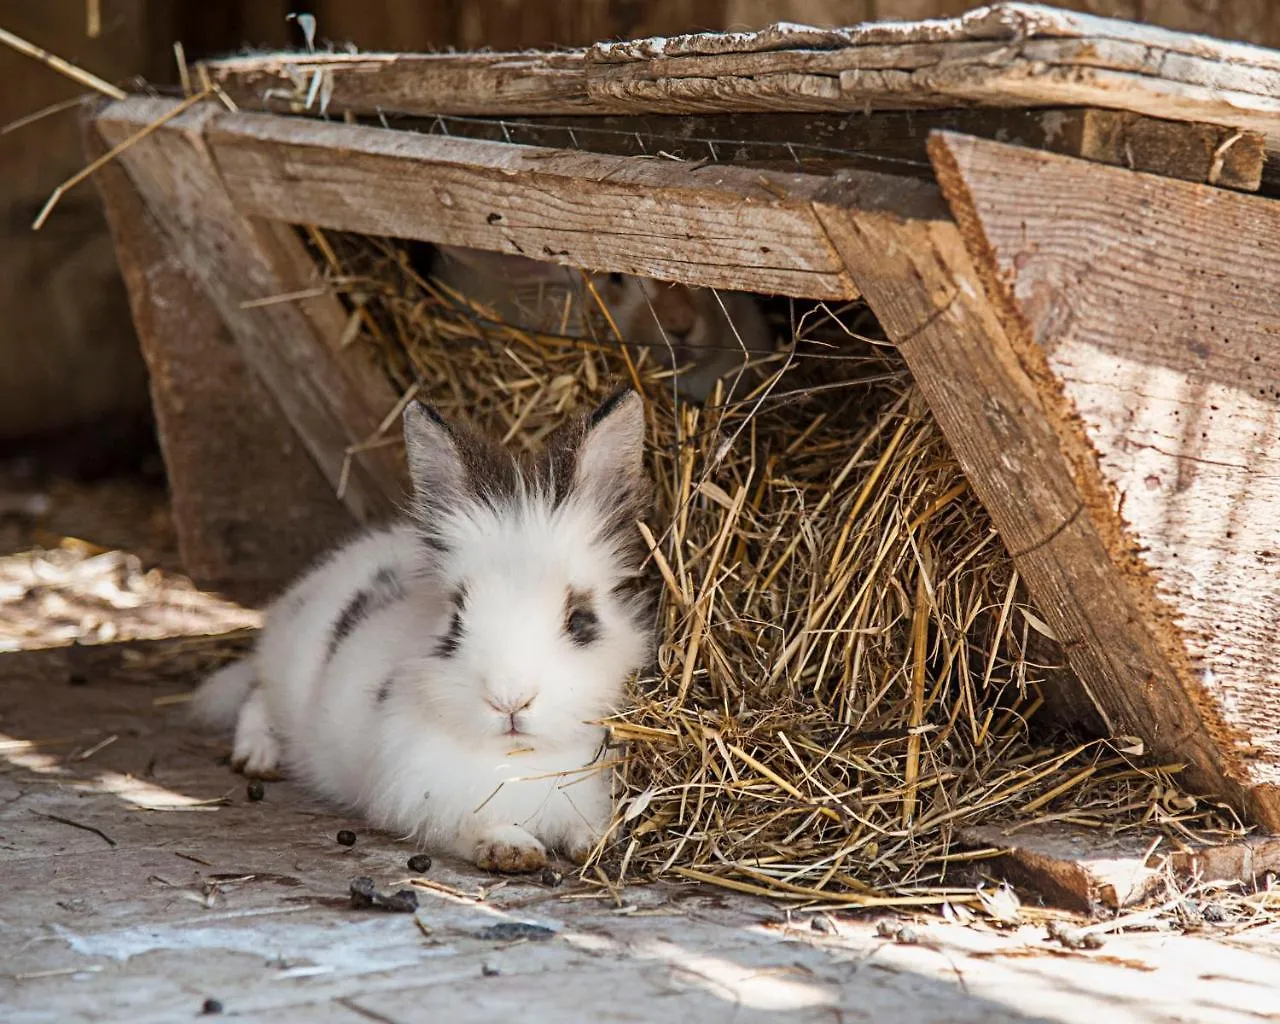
(250, 507)
(1006, 55)
(1145, 312)
(918, 277)
(289, 344)
(718, 226)
(1080, 868)
(1203, 153)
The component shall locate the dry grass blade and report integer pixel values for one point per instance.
(842, 681)
(61, 66)
(110, 155)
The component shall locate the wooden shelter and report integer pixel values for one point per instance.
(1064, 222)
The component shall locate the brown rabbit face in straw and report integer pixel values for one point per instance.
(705, 336)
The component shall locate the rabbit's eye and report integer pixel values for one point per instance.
(583, 627)
(615, 278)
(581, 624)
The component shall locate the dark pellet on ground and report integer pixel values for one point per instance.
(362, 892)
(364, 895)
(902, 933)
(405, 901)
(820, 924)
(1214, 913)
(255, 791)
(210, 1007)
(420, 863)
(489, 971)
(346, 838)
(551, 877)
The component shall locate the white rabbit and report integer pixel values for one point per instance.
(685, 328)
(442, 677)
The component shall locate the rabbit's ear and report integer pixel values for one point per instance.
(611, 453)
(435, 461)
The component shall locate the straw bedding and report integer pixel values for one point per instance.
(843, 680)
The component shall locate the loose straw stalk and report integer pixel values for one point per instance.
(61, 66)
(110, 155)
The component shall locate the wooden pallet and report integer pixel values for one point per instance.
(1092, 338)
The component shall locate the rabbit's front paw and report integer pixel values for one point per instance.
(509, 849)
(256, 752)
(579, 845)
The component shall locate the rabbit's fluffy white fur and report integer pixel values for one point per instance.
(705, 336)
(446, 677)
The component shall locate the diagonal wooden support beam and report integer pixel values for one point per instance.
(244, 265)
(250, 507)
(1058, 516)
(1137, 316)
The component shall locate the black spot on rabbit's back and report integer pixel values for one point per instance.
(383, 589)
(383, 693)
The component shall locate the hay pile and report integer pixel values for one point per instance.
(843, 681)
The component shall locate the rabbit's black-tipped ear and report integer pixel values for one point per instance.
(611, 454)
(435, 463)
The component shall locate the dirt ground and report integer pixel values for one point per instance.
(141, 881)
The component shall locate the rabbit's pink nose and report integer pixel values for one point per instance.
(510, 705)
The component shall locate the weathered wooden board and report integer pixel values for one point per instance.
(1205, 153)
(1084, 868)
(245, 267)
(249, 505)
(1004, 55)
(1144, 311)
(718, 226)
(919, 278)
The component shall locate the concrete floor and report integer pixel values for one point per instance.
(126, 894)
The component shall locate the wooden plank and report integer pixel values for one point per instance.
(250, 507)
(1020, 22)
(1083, 868)
(376, 83)
(244, 268)
(723, 227)
(1146, 311)
(1008, 55)
(1203, 153)
(920, 281)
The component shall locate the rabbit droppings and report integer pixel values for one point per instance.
(704, 336)
(445, 677)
